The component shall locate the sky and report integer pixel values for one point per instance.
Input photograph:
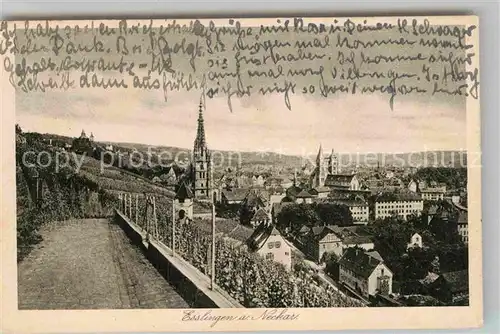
(349, 124)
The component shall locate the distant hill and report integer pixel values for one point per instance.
(412, 159)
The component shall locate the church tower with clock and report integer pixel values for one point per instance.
(201, 163)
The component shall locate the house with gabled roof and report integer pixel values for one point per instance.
(365, 273)
(320, 192)
(304, 197)
(234, 196)
(261, 216)
(451, 287)
(342, 181)
(415, 241)
(319, 240)
(270, 244)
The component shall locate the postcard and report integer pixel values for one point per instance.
(241, 174)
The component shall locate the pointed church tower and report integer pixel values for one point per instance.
(333, 164)
(320, 171)
(202, 164)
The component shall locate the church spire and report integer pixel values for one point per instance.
(200, 142)
(319, 158)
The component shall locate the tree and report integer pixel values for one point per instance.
(297, 215)
(333, 214)
(331, 261)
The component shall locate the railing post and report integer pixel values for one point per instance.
(212, 271)
(137, 209)
(155, 219)
(130, 205)
(173, 227)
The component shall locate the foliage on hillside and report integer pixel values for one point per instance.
(116, 179)
(47, 192)
(252, 280)
(454, 178)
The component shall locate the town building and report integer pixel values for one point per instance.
(433, 194)
(320, 192)
(342, 182)
(277, 195)
(270, 244)
(318, 240)
(234, 196)
(463, 226)
(365, 273)
(304, 197)
(413, 186)
(451, 288)
(258, 180)
(397, 204)
(359, 209)
(415, 241)
(83, 144)
(429, 213)
(261, 216)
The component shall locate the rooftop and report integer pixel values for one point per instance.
(398, 197)
(260, 236)
(458, 280)
(360, 262)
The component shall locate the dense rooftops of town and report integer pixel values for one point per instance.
(406, 196)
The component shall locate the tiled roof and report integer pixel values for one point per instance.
(293, 191)
(357, 240)
(260, 236)
(255, 198)
(338, 179)
(458, 280)
(304, 194)
(304, 229)
(398, 197)
(351, 203)
(359, 262)
(237, 194)
(322, 189)
(434, 190)
(261, 214)
(430, 278)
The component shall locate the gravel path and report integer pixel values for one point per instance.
(90, 264)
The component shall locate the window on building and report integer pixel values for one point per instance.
(269, 256)
(277, 244)
(286, 253)
(382, 271)
(270, 245)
